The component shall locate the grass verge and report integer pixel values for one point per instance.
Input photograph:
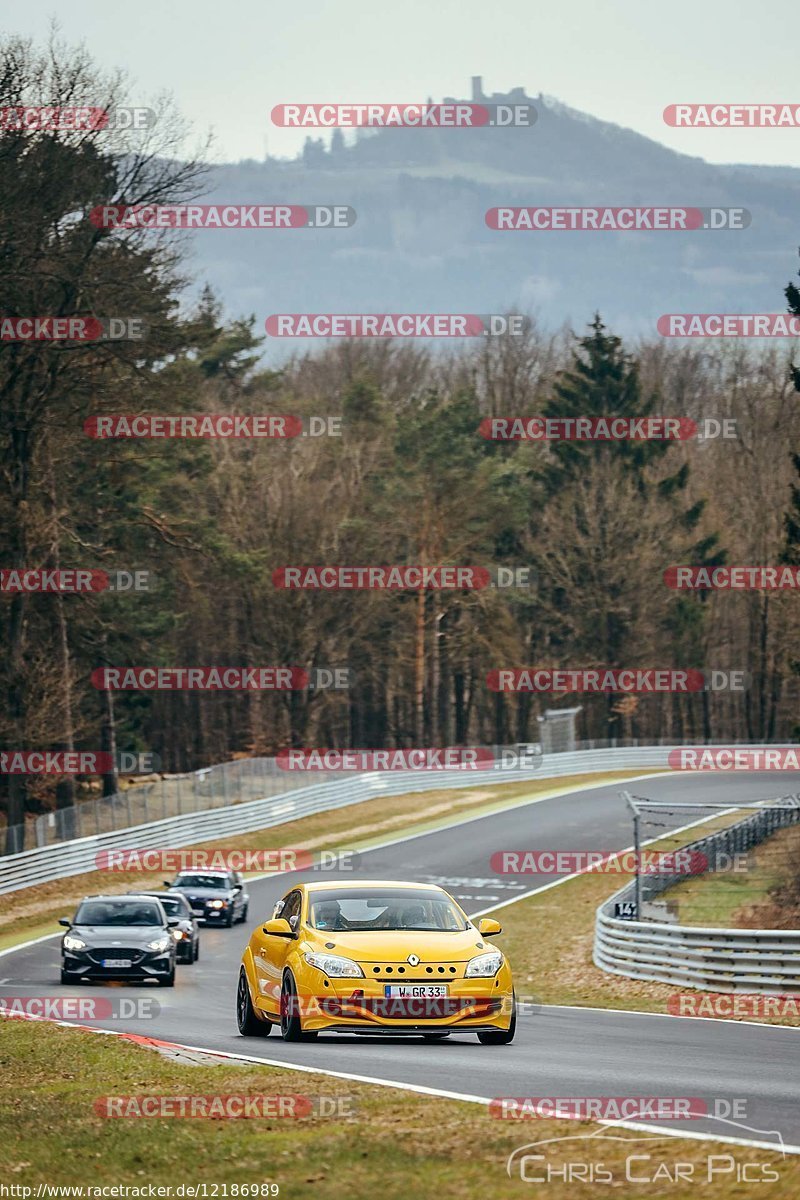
(385, 1142)
(746, 899)
(548, 939)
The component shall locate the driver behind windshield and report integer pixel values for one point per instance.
(413, 917)
(328, 915)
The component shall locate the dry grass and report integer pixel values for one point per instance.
(758, 898)
(386, 1143)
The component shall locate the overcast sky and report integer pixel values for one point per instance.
(621, 60)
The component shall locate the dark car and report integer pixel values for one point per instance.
(119, 937)
(187, 931)
(216, 897)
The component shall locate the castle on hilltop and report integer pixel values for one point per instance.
(515, 96)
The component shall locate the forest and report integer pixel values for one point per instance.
(391, 467)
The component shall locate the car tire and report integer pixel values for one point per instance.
(248, 1023)
(229, 919)
(436, 1035)
(243, 917)
(196, 953)
(501, 1037)
(291, 1024)
(167, 980)
(68, 976)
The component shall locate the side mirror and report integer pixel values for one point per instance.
(65, 921)
(488, 927)
(166, 883)
(237, 887)
(172, 922)
(278, 928)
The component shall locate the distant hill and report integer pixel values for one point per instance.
(421, 244)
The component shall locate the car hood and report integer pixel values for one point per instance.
(396, 945)
(124, 935)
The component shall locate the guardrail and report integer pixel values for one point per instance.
(715, 960)
(75, 857)
(154, 800)
(215, 786)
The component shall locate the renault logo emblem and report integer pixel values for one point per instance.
(413, 960)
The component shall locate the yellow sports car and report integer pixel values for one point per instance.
(374, 957)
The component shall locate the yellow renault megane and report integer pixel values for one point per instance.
(374, 957)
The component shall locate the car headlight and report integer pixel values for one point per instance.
(484, 966)
(217, 903)
(161, 943)
(73, 943)
(178, 934)
(334, 966)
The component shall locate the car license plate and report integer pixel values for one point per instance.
(117, 962)
(415, 991)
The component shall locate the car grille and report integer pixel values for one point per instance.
(403, 972)
(97, 954)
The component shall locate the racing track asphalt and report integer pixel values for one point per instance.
(558, 1051)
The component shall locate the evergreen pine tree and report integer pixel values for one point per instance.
(792, 294)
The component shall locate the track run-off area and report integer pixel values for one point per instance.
(558, 1051)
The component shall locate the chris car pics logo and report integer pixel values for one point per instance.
(614, 1155)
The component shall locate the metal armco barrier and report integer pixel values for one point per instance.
(74, 857)
(715, 960)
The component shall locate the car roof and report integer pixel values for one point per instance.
(125, 896)
(370, 883)
(204, 871)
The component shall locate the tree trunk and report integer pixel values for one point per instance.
(15, 688)
(460, 708)
(65, 788)
(436, 670)
(108, 740)
(419, 670)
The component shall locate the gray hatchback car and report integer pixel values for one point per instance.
(119, 937)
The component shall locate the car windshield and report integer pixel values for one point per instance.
(202, 881)
(118, 912)
(174, 905)
(382, 909)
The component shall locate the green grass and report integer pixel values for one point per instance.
(742, 899)
(386, 1143)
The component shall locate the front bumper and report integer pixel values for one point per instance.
(408, 1030)
(473, 1005)
(201, 911)
(144, 964)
